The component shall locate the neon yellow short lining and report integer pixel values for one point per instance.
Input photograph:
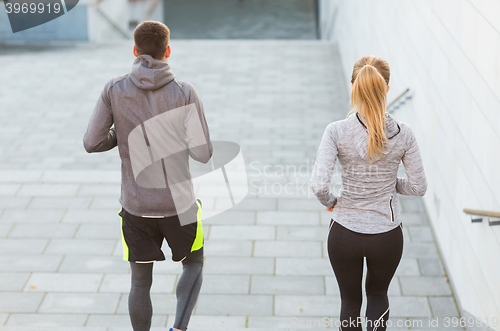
(124, 243)
(198, 240)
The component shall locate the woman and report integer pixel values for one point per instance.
(366, 222)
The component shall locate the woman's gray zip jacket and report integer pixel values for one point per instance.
(367, 201)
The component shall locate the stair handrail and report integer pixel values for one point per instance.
(484, 213)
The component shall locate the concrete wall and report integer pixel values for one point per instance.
(448, 53)
(139, 11)
(112, 26)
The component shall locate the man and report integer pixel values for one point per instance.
(158, 123)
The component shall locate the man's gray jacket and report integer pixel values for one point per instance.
(158, 123)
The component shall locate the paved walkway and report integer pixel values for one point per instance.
(266, 264)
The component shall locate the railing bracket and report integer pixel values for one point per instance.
(399, 101)
(493, 222)
(492, 216)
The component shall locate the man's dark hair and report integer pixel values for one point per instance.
(151, 38)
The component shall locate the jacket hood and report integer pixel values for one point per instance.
(150, 74)
(358, 127)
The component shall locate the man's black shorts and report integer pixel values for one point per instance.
(142, 237)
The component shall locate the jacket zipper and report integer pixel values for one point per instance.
(392, 214)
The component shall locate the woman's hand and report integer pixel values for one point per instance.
(330, 209)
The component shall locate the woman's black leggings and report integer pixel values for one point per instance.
(347, 250)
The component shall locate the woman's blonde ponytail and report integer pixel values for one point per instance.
(370, 78)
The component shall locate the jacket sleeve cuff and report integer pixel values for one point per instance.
(332, 203)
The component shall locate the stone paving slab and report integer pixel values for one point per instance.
(235, 304)
(5, 229)
(48, 190)
(13, 281)
(288, 248)
(14, 202)
(432, 323)
(74, 303)
(47, 320)
(91, 216)
(203, 322)
(51, 328)
(431, 267)
(313, 285)
(242, 232)
(43, 230)
(287, 266)
(409, 306)
(266, 263)
(162, 303)
(59, 202)
(32, 216)
(93, 264)
(421, 285)
(30, 263)
(9, 189)
(228, 248)
(23, 246)
(414, 219)
(420, 250)
(286, 322)
(288, 218)
(443, 306)
(408, 267)
(62, 282)
(227, 284)
(99, 189)
(239, 265)
(308, 305)
(81, 246)
(122, 320)
(300, 233)
(120, 283)
(18, 302)
(421, 233)
(98, 231)
(233, 218)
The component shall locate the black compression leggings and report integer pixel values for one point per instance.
(187, 290)
(347, 250)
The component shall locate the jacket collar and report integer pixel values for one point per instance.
(360, 134)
